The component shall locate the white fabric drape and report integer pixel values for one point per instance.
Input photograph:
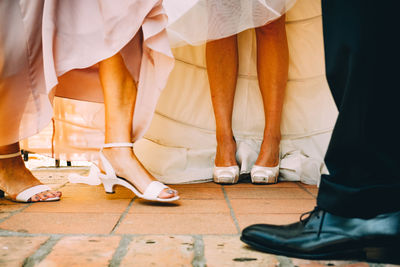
(195, 21)
(180, 144)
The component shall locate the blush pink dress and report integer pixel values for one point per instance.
(49, 49)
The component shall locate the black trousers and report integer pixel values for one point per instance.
(362, 69)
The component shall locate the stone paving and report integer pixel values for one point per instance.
(91, 228)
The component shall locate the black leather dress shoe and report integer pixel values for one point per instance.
(324, 236)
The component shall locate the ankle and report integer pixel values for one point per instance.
(265, 161)
(9, 149)
(118, 151)
(272, 136)
(225, 138)
(225, 154)
(118, 137)
(268, 157)
(13, 163)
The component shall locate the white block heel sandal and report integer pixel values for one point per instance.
(264, 175)
(110, 179)
(226, 175)
(27, 194)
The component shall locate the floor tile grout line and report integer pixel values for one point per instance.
(123, 215)
(305, 189)
(296, 183)
(44, 250)
(62, 185)
(273, 198)
(285, 261)
(121, 251)
(23, 208)
(16, 212)
(232, 212)
(198, 247)
(16, 234)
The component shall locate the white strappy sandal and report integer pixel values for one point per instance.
(226, 175)
(110, 179)
(264, 175)
(27, 194)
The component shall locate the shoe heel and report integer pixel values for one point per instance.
(386, 255)
(108, 185)
(1, 193)
(110, 179)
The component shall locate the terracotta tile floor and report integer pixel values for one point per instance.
(91, 228)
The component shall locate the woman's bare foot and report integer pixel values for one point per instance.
(269, 151)
(15, 178)
(226, 152)
(127, 165)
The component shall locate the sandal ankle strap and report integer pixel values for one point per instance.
(108, 168)
(108, 145)
(8, 156)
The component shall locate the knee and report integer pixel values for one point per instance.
(275, 27)
(223, 42)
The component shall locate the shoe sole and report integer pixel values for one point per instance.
(264, 180)
(372, 254)
(225, 181)
(112, 191)
(53, 199)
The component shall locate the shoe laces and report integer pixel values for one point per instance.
(303, 217)
(316, 210)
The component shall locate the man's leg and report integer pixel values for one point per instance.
(362, 157)
(358, 212)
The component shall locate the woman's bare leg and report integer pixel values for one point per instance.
(120, 91)
(15, 177)
(272, 69)
(222, 69)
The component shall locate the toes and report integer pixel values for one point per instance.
(56, 194)
(168, 193)
(35, 198)
(52, 194)
(43, 196)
